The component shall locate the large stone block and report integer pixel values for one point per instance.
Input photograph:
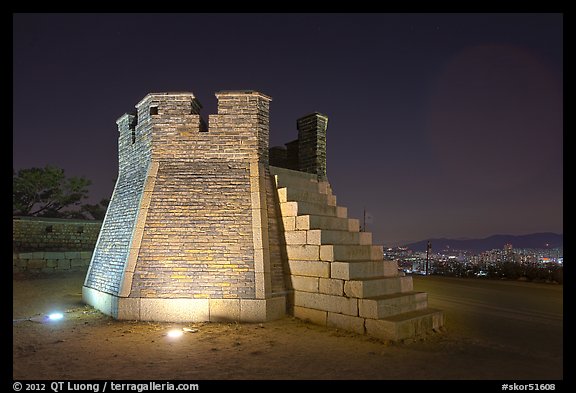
(51, 263)
(303, 252)
(377, 286)
(311, 221)
(263, 285)
(365, 238)
(295, 237)
(363, 269)
(262, 310)
(79, 262)
(331, 237)
(320, 301)
(351, 253)
(346, 322)
(40, 263)
(331, 200)
(394, 304)
(105, 302)
(224, 310)
(308, 314)
(86, 254)
(405, 325)
(309, 268)
(64, 264)
(174, 310)
(289, 223)
(296, 180)
(56, 255)
(294, 194)
(289, 209)
(128, 308)
(331, 286)
(306, 284)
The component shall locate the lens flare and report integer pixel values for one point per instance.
(175, 333)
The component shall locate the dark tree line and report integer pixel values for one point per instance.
(48, 192)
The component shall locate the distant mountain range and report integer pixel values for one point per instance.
(534, 240)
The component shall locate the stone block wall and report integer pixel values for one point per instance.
(44, 245)
(196, 240)
(50, 261)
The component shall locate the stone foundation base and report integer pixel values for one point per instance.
(186, 310)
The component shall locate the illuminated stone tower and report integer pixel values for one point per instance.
(202, 227)
(187, 232)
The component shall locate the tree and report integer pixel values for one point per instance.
(96, 211)
(46, 192)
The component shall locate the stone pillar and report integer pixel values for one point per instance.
(292, 155)
(312, 144)
(248, 111)
(278, 156)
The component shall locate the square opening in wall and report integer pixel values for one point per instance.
(50, 228)
(153, 110)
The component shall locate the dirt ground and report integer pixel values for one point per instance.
(86, 344)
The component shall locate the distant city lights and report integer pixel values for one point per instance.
(541, 264)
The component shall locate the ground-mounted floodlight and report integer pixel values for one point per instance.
(55, 316)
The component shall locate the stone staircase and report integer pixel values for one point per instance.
(337, 276)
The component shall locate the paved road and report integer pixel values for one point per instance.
(524, 318)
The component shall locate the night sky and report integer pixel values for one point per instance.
(440, 125)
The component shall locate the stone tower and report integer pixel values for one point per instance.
(187, 234)
(209, 224)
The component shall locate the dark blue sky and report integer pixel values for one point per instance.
(439, 124)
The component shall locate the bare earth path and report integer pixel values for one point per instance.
(495, 330)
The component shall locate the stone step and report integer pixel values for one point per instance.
(331, 303)
(303, 184)
(320, 236)
(286, 194)
(389, 305)
(377, 286)
(292, 209)
(336, 252)
(405, 325)
(303, 252)
(285, 172)
(326, 236)
(308, 268)
(312, 221)
(355, 270)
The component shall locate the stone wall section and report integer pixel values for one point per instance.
(30, 234)
(51, 245)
